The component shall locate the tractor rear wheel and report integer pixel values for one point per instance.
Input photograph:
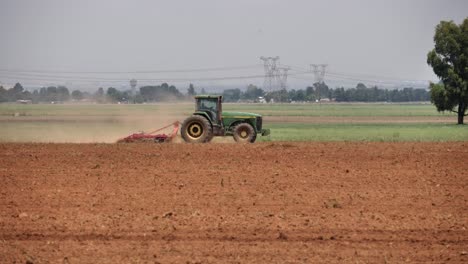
(244, 133)
(196, 129)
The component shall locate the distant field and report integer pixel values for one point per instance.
(108, 110)
(339, 109)
(367, 132)
(296, 122)
(336, 109)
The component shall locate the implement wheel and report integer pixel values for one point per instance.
(196, 129)
(244, 133)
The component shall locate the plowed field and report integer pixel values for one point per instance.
(229, 203)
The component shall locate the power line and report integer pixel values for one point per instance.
(131, 72)
(359, 76)
(374, 76)
(94, 79)
(332, 77)
(275, 77)
(379, 80)
(272, 71)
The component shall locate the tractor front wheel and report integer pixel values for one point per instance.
(244, 133)
(196, 129)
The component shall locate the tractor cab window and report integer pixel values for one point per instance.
(210, 106)
(206, 104)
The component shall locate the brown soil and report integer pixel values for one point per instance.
(218, 203)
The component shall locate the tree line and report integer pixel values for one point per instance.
(321, 92)
(53, 94)
(166, 92)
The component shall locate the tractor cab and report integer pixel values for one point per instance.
(211, 105)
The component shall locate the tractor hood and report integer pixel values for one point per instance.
(239, 115)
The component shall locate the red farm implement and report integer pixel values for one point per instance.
(152, 136)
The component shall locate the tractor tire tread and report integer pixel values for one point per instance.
(207, 134)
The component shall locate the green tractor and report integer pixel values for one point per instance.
(209, 120)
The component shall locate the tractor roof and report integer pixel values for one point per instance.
(207, 96)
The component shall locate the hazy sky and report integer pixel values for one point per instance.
(366, 39)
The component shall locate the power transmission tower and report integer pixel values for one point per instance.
(319, 73)
(271, 73)
(283, 77)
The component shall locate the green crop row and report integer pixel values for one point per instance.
(367, 132)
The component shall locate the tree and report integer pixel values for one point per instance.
(14, 93)
(35, 96)
(231, 95)
(63, 94)
(51, 93)
(77, 95)
(310, 93)
(297, 96)
(3, 94)
(300, 96)
(191, 90)
(159, 93)
(100, 92)
(321, 90)
(43, 94)
(114, 94)
(99, 95)
(280, 96)
(361, 93)
(252, 93)
(449, 60)
(340, 95)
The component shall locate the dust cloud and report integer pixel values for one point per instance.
(99, 128)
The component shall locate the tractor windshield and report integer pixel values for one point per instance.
(207, 104)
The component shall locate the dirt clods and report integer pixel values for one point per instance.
(226, 203)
